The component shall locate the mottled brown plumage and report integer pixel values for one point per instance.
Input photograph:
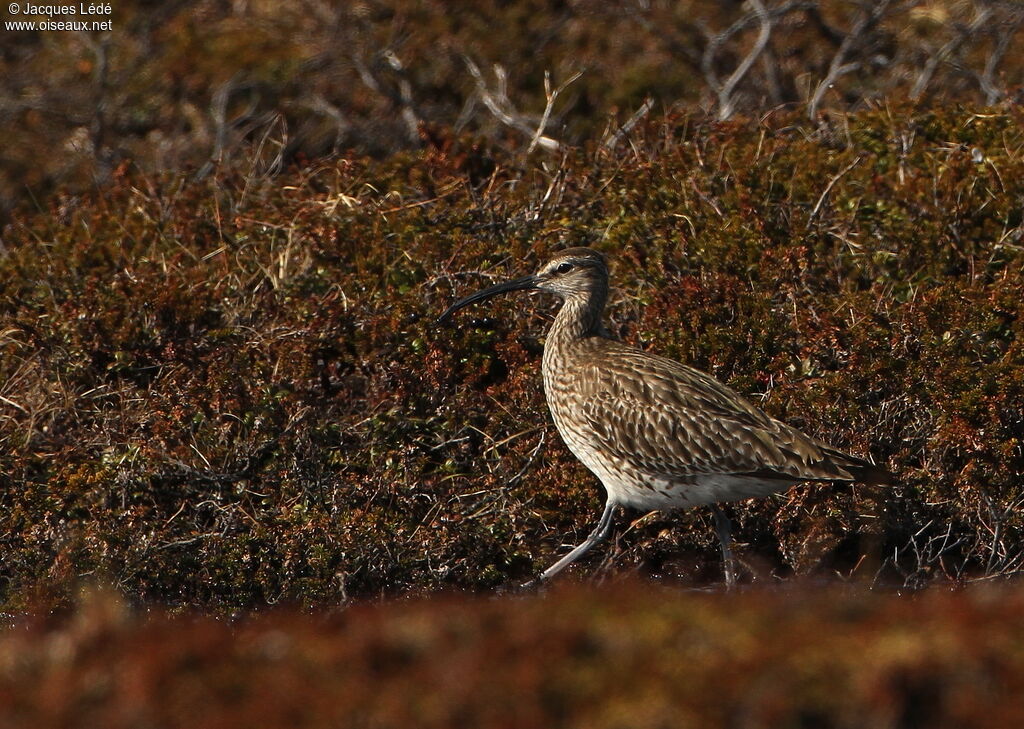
(658, 434)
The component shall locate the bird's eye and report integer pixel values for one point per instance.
(564, 267)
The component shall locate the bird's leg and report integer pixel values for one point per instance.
(604, 525)
(724, 529)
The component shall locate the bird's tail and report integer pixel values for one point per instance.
(862, 470)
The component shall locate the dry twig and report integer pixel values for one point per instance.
(948, 49)
(839, 67)
(725, 100)
(497, 102)
(612, 139)
(764, 17)
(828, 189)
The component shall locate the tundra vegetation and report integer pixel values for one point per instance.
(226, 231)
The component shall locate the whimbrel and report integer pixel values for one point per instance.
(658, 434)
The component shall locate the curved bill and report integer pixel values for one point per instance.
(519, 284)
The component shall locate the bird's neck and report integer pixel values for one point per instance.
(579, 318)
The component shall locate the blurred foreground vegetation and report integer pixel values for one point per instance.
(633, 655)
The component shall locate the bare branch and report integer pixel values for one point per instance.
(839, 67)
(402, 98)
(725, 101)
(405, 101)
(611, 140)
(760, 15)
(551, 97)
(497, 102)
(828, 189)
(987, 77)
(947, 49)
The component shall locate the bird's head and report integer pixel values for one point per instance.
(568, 273)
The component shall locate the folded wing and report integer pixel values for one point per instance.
(666, 418)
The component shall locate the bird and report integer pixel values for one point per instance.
(658, 434)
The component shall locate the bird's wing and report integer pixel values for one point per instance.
(664, 417)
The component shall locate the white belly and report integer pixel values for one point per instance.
(663, 493)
